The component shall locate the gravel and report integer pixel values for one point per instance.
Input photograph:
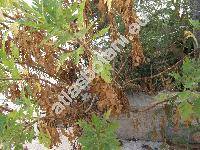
(141, 145)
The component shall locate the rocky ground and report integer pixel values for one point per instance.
(150, 145)
(126, 145)
(141, 145)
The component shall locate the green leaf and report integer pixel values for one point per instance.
(15, 73)
(196, 107)
(101, 33)
(161, 97)
(2, 54)
(107, 114)
(104, 69)
(195, 24)
(76, 54)
(6, 3)
(80, 14)
(15, 51)
(2, 122)
(18, 146)
(184, 96)
(106, 73)
(186, 110)
(187, 65)
(44, 139)
(8, 63)
(175, 75)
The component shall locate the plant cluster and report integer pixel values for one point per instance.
(99, 134)
(184, 105)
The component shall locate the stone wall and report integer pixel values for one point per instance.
(139, 125)
(151, 124)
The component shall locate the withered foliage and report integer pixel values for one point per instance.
(38, 62)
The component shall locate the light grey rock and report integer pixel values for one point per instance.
(141, 125)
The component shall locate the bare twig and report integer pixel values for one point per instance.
(27, 78)
(8, 16)
(84, 102)
(4, 25)
(5, 109)
(92, 103)
(30, 124)
(120, 70)
(159, 74)
(153, 106)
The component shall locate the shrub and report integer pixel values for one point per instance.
(99, 134)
